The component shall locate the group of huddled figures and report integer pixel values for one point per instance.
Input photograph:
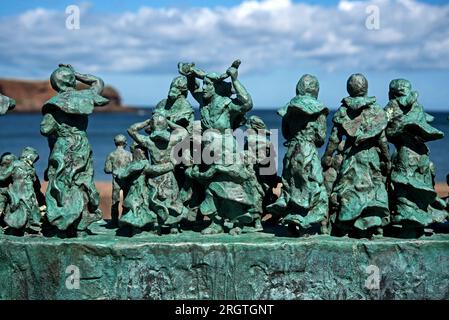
(182, 173)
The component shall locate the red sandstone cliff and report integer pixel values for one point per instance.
(31, 95)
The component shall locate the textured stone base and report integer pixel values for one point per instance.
(251, 266)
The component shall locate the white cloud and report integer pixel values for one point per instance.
(412, 35)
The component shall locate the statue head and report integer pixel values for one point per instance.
(214, 83)
(120, 140)
(29, 155)
(62, 79)
(6, 159)
(158, 129)
(178, 87)
(208, 87)
(256, 123)
(399, 88)
(357, 85)
(308, 85)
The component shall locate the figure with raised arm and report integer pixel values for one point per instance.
(165, 209)
(176, 108)
(24, 200)
(71, 196)
(233, 197)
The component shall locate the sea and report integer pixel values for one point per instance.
(20, 130)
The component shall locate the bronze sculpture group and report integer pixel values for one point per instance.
(180, 172)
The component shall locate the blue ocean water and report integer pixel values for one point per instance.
(20, 130)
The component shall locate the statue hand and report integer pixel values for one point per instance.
(62, 65)
(232, 72)
(185, 68)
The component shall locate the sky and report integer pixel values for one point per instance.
(135, 45)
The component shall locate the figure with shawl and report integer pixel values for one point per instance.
(303, 204)
(71, 197)
(359, 198)
(415, 204)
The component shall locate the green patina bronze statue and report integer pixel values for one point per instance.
(304, 200)
(415, 204)
(71, 197)
(154, 178)
(359, 198)
(6, 104)
(261, 152)
(176, 107)
(21, 200)
(233, 196)
(116, 160)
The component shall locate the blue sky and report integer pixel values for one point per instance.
(135, 45)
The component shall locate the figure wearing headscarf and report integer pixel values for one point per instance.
(165, 207)
(136, 201)
(415, 204)
(359, 197)
(261, 152)
(6, 164)
(233, 196)
(72, 199)
(218, 109)
(304, 200)
(24, 200)
(232, 193)
(176, 108)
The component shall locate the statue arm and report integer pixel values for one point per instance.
(244, 100)
(96, 83)
(202, 177)
(133, 131)
(5, 174)
(192, 73)
(37, 191)
(108, 165)
(334, 140)
(158, 169)
(285, 128)
(383, 145)
(322, 128)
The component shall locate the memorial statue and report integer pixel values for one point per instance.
(262, 154)
(233, 195)
(415, 204)
(116, 160)
(217, 109)
(176, 107)
(160, 192)
(136, 200)
(6, 104)
(304, 201)
(359, 199)
(6, 162)
(22, 200)
(71, 196)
